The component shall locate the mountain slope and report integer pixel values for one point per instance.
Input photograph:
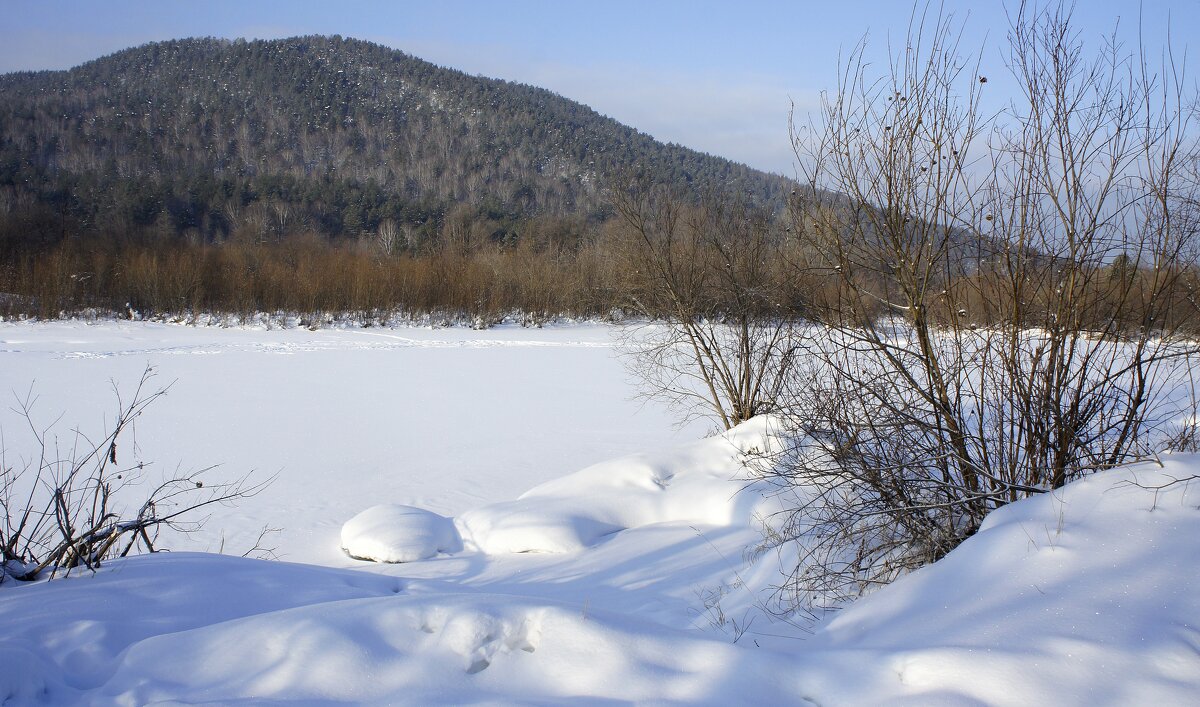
(336, 136)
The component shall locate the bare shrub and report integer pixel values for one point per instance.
(705, 280)
(1013, 293)
(307, 275)
(68, 506)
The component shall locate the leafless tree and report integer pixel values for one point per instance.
(1011, 298)
(715, 306)
(388, 238)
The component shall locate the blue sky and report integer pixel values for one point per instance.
(715, 76)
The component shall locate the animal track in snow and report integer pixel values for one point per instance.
(481, 638)
(662, 481)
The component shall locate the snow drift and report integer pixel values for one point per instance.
(699, 484)
(629, 581)
(1084, 596)
(394, 533)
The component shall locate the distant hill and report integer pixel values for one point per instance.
(206, 138)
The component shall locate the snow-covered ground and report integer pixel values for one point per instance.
(443, 419)
(590, 552)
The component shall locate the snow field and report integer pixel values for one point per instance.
(441, 419)
(627, 581)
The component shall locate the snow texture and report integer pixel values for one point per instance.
(637, 580)
(698, 484)
(392, 533)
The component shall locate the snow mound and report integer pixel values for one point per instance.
(702, 483)
(27, 677)
(147, 630)
(394, 533)
(441, 650)
(1081, 596)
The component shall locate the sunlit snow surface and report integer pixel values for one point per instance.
(394, 533)
(442, 419)
(625, 581)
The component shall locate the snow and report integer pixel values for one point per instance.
(394, 533)
(698, 484)
(1088, 593)
(442, 419)
(640, 579)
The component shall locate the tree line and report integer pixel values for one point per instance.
(214, 158)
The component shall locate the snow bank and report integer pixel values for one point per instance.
(1084, 596)
(26, 677)
(394, 533)
(700, 483)
(82, 624)
(444, 650)
(193, 628)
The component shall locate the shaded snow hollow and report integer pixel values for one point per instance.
(599, 587)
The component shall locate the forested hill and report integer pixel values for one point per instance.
(203, 138)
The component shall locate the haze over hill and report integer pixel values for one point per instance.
(333, 136)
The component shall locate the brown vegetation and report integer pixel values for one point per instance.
(304, 274)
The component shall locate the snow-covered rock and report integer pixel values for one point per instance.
(394, 533)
